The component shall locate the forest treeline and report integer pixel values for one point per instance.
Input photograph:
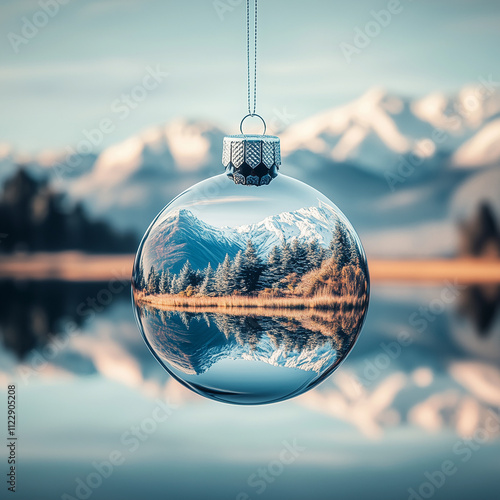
(291, 268)
(34, 217)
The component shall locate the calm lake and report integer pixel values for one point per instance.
(413, 412)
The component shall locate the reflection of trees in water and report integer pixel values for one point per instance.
(481, 303)
(32, 313)
(189, 339)
(303, 332)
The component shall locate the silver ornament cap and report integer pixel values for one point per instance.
(252, 160)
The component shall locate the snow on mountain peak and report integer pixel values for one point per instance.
(472, 107)
(179, 145)
(183, 235)
(305, 224)
(118, 161)
(313, 359)
(310, 360)
(190, 142)
(365, 131)
(375, 130)
(483, 149)
(433, 108)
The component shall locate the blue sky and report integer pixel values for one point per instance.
(69, 75)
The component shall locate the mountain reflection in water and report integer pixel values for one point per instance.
(249, 356)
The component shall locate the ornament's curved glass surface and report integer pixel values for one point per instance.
(247, 294)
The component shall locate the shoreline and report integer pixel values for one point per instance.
(77, 266)
(240, 302)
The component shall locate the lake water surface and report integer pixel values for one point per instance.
(418, 395)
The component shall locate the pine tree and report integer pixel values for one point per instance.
(185, 276)
(153, 281)
(157, 282)
(272, 272)
(197, 278)
(174, 284)
(165, 282)
(238, 270)
(207, 285)
(299, 257)
(218, 279)
(252, 267)
(223, 278)
(286, 260)
(142, 283)
(315, 255)
(340, 245)
(354, 256)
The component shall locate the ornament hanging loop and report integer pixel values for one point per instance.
(252, 115)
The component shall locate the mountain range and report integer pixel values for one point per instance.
(182, 236)
(397, 167)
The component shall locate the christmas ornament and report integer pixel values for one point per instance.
(250, 287)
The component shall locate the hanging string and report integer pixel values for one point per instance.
(252, 103)
(251, 109)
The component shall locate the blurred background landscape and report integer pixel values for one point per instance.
(112, 108)
(417, 177)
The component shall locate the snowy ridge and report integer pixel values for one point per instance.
(305, 224)
(181, 236)
(311, 360)
(375, 129)
(371, 132)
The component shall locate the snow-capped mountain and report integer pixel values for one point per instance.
(183, 236)
(379, 129)
(370, 132)
(305, 224)
(472, 107)
(310, 360)
(131, 181)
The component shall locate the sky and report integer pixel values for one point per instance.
(68, 77)
(220, 203)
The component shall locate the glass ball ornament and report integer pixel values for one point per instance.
(250, 287)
